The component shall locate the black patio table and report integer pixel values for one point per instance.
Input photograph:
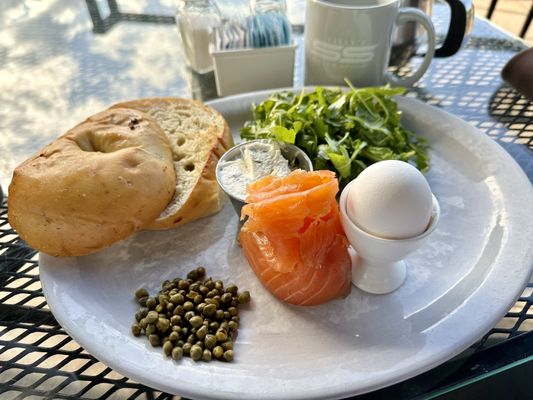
(62, 60)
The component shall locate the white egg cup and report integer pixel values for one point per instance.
(379, 266)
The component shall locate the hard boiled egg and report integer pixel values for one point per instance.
(390, 199)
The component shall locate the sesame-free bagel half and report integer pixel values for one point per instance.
(95, 185)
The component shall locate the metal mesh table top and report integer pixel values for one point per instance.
(55, 69)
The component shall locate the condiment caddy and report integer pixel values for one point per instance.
(251, 49)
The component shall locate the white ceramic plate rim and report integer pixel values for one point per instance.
(519, 262)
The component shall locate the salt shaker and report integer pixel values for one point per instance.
(195, 20)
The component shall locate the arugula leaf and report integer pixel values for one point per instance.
(283, 134)
(344, 131)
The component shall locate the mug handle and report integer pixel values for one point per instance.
(460, 21)
(413, 14)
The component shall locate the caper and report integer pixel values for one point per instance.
(183, 285)
(176, 328)
(218, 352)
(219, 285)
(143, 323)
(188, 315)
(184, 330)
(165, 283)
(193, 274)
(167, 348)
(236, 318)
(165, 339)
(200, 308)
(227, 345)
(142, 300)
(135, 329)
(213, 326)
(233, 311)
(170, 308)
(244, 297)
(206, 355)
(191, 339)
(150, 328)
(195, 287)
(224, 326)
(151, 303)
(200, 343)
(163, 299)
(209, 284)
(198, 299)
(221, 335)
(233, 326)
(192, 294)
(159, 308)
(141, 292)
(210, 341)
(209, 310)
(154, 340)
(151, 317)
(227, 315)
(138, 316)
(233, 289)
(200, 271)
(211, 293)
(219, 315)
(163, 324)
(188, 306)
(212, 301)
(226, 298)
(196, 321)
(174, 337)
(177, 353)
(203, 290)
(187, 348)
(179, 310)
(228, 355)
(200, 333)
(234, 302)
(180, 343)
(143, 311)
(196, 352)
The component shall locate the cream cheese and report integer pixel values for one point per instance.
(256, 160)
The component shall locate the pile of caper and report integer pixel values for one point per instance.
(193, 317)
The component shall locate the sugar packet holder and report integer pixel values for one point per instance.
(253, 53)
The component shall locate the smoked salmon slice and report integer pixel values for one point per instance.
(293, 238)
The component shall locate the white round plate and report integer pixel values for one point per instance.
(459, 285)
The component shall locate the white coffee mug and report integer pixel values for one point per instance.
(352, 40)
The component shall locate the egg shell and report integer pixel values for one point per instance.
(390, 199)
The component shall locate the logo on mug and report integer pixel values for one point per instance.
(334, 53)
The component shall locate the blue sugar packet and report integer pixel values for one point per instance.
(269, 29)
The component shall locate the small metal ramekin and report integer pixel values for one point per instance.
(295, 156)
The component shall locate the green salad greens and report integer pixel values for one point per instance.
(344, 131)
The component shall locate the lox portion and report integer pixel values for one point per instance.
(293, 238)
